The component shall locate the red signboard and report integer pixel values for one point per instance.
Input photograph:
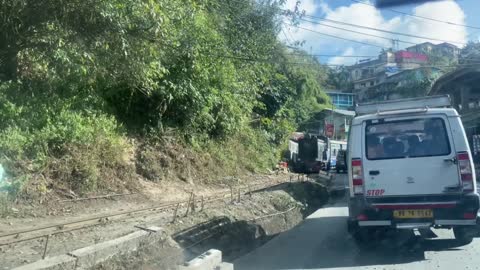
(329, 130)
(410, 55)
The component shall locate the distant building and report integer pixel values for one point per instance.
(342, 100)
(340, 119)
(371, 72)
(443, 49)
(377, 78)
(396, 85)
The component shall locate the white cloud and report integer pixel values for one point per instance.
(350, 51)
(367, 15)
(341, 60)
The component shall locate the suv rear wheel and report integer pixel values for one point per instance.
(361, 235)
(463, 235)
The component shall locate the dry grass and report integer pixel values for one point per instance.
(5, 205)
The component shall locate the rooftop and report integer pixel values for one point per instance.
(429, 43)
(342, 112)
(339, 92)
(367, 63)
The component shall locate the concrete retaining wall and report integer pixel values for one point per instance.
(210, 260)
(87, 257)
(53, 263)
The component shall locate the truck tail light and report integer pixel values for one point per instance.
(466, 173)
(357, 176)
(362, 217)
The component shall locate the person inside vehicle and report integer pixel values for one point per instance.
(393, 148)
(436, 142)
(414, 146)
(374, 147)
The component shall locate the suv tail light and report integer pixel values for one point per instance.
(465, 169)
(357, 176)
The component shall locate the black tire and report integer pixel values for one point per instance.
(352, 226)
(361, 235)
(464, 236)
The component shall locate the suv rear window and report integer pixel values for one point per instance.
(406, 138)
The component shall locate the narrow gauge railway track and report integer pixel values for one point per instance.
(54, 229)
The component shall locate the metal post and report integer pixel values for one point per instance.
(45, 248)
(231, 193)
(193, 202)
(203, 203)
(238, 200)
(175, 213)
(188, 204)
(333, 121)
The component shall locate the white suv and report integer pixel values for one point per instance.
(411, 168)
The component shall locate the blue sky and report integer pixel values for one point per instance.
(462, 12)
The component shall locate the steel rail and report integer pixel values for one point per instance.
(54, 229)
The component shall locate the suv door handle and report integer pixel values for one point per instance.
(453, 188)
(452, 160)
(374, 172)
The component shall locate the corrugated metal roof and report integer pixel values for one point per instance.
(342, 112)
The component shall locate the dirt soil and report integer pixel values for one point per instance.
(259, 204)
(27, 216)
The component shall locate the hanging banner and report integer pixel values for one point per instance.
(329, 130)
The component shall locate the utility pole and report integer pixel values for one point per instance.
(395, 45)
(333, 121)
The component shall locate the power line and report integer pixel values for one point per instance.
(269, 61)
(337, 37)
(286, 37)
(377, 29)
(290, 34)
(272, 60)
(418, 16)
(362, 33)
(335, 55)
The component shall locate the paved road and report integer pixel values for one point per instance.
(322, 242)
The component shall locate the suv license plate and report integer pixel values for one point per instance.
(412, 213)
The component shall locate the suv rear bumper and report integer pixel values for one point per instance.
(447, 212)
(418, 224)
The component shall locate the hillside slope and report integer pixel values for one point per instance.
(99, 94)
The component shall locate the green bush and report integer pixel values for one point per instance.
(80, 77)
(73, 147)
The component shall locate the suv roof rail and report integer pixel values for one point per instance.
(403, 104)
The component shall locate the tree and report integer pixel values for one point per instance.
(339, 79)
(72, 72)
(470, 53)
